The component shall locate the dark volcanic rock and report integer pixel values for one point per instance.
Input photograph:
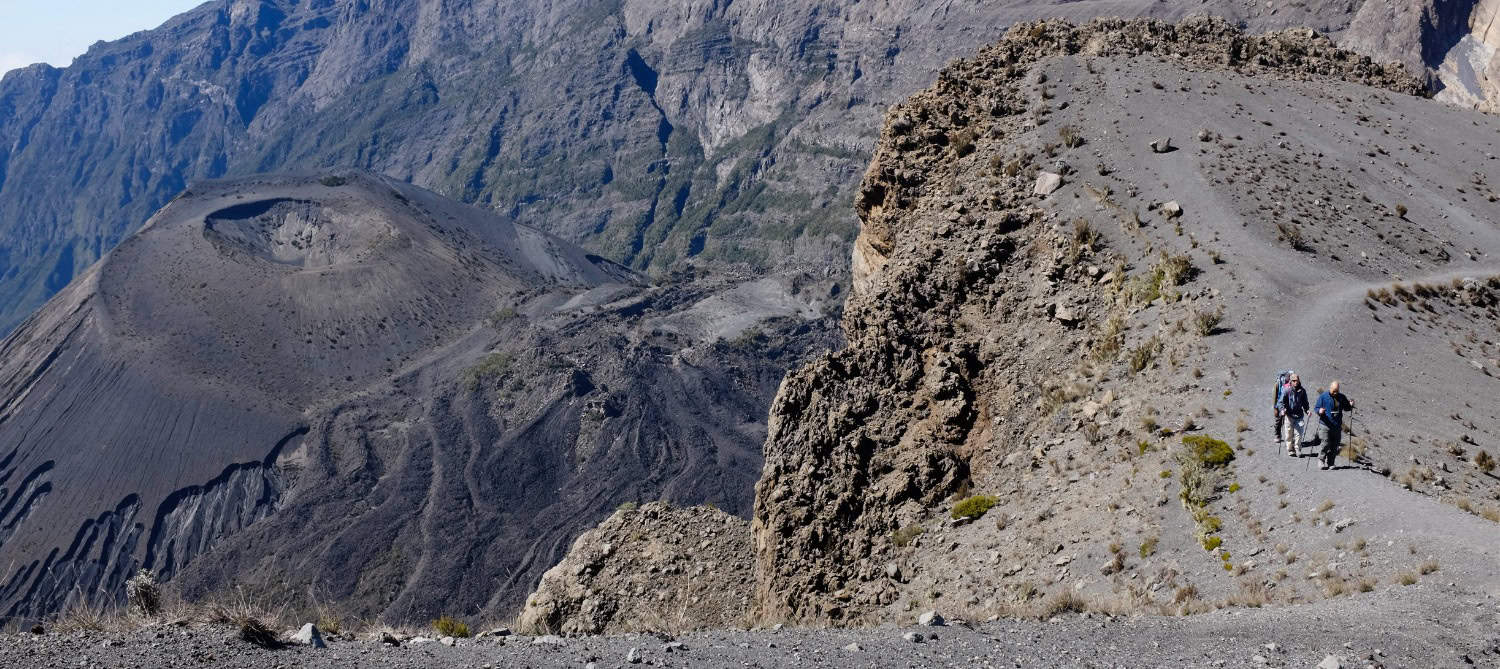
(356, 385)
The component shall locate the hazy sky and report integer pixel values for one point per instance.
(54, 31)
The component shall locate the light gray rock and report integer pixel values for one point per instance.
(1171, 209)
(1161, 145)
(634, 656)
(309, 636)
(931, 619)
(447, 641)
(913, 637)
(853, 648)
(1331, 662)
(1047, 183)
(549, 640)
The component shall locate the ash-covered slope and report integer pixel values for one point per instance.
(1087, 242)
(646, 131)
(392, 392)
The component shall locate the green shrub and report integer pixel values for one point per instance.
(974, 507)
(450, 626)
(1212, 542)
(1208, 451)
(627, 506)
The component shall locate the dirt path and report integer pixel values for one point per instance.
(1320, 339)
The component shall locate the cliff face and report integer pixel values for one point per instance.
(648, 132)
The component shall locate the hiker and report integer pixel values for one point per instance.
(1330, 409)
(1281, 381)
(1293, 408)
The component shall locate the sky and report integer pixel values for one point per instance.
(55, 31)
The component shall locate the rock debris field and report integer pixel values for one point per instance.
(1426, 626)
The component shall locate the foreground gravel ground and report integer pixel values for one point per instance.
(1419, 626)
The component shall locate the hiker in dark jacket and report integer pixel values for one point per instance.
(1330, 409)
(1293, 407)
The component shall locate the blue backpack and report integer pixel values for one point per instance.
(1281, 380)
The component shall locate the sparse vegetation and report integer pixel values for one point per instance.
(1161, 282)
(1427, 567)
(627, 506)
(1400, 210)
(1406, 578)
(494, 364)
(1291, 233)
(963, 142)
(1085, 240)
(449, 626)
(1148, 547)
(1206, 323)
(974, 507)
(142, 593)
(1109, 343)
(1070, 137)
(904, 536)
(1142, 356)
(333, 181)
(1484, 461)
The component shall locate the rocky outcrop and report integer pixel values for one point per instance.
(954, 265)
(649, 569)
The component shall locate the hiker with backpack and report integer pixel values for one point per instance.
(1281, 381)
(1293, 407)
(1330, 409)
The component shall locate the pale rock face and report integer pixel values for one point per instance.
(1470, 71)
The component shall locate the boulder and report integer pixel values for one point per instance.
(1161, 145)
(1047, 183)
(309, 636)
(931, 619)
(1171, 209)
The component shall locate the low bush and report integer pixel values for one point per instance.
(450, 626)
(1208, 451)
(974, 507)
(1148, 547)
(1142, 356)
(1484, 461)
(1206, 323)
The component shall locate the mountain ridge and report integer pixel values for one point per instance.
(648, 133)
